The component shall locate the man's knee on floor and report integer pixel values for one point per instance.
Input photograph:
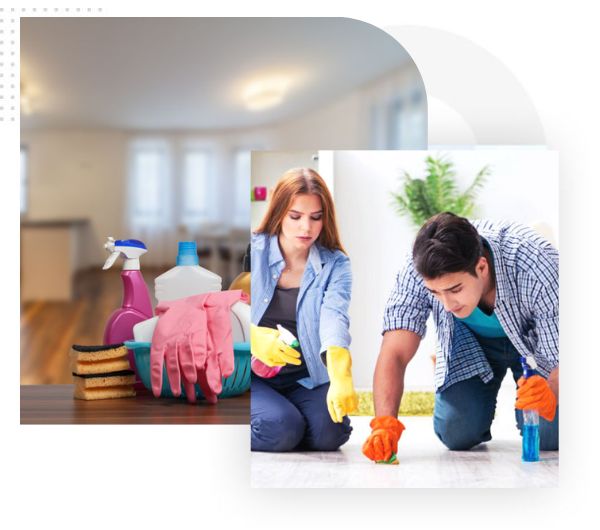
(549, 440)
(276, 434)
(548, 445)
(457, 439)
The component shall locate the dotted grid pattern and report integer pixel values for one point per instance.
(10, 85)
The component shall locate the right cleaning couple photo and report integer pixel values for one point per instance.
(404, 318)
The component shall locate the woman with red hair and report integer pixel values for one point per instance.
(301, 280)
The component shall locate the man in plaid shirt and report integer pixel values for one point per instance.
(492, 288)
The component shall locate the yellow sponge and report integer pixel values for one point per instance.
(101, 372)
(99, 367)
(98, 353)
(125, 377)
(108, 392)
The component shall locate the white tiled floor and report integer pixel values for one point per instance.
(424, 461)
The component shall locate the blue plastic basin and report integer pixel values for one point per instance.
(234, 385)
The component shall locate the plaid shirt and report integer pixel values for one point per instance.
(526, 268)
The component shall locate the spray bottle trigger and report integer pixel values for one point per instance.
(287, 337)
(111, 260)
(531, 362)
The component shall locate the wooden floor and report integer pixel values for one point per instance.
(48, 329)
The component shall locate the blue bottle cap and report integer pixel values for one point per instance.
(187, 254)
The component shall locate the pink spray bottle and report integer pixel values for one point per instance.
(136, 305)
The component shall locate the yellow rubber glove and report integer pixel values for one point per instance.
(266, 346)
(341, 397)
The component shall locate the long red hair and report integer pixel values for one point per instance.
(295, 182)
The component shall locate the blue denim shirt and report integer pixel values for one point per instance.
(323, 299)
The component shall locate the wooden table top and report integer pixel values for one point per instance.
(54, 404)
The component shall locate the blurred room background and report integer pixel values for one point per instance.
(143, 128)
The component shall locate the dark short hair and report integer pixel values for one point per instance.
(446, 243)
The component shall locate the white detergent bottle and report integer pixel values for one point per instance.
(187, 278)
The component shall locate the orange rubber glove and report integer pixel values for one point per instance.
(383, 440)
(535, 393)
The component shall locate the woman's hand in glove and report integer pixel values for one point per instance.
(268, 348)
(341, 397)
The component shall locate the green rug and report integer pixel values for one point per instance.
(413, 404)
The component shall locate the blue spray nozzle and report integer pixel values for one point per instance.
(130, 249)
(136, 243)
(528, 371)
(187, 253)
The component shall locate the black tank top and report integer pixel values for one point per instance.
(282, 311)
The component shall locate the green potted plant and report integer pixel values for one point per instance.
(438, 192)
(421, 198)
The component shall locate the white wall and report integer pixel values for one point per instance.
(78, 174)
(340, 125)
(523, 187)
(346, 122)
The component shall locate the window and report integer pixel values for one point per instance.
(413, 121)
(198, 193)
(395, 124)
(406, 121)
(398, 119)
(149, 184)
(24, 168)
(241, 187)
(376, 126)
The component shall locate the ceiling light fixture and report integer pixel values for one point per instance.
(265, 93)
(25, 101)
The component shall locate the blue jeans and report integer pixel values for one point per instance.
(464, 412)
(293, 418)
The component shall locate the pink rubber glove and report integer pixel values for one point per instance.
(193, 335)
(180, 335)
(219, 361)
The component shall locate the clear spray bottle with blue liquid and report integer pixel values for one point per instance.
(531, 420)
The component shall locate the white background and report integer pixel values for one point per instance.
(128, 477)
